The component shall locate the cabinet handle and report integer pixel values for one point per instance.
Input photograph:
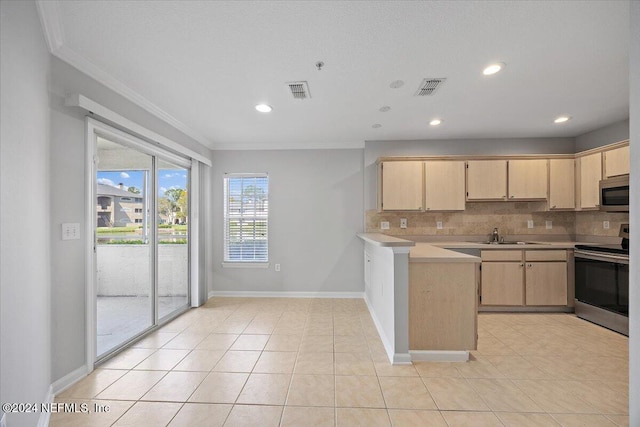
(504, 197)
(529, 265)
(553, 207)
(521, 265)
(511, 197)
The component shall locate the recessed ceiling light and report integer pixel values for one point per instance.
(264, 108)
(396, 84)
(435, 122)
(562, 119)
(493, 68)
(376, 126)
(384, 109)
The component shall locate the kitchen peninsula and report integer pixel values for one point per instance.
(423, 298)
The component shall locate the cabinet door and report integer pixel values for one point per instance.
(486, 180)
(562, 189)
(528, 179)
(616, 162)
(590, 176)
(502, 283)
(546, 283)
(402, 186)
(444, 185)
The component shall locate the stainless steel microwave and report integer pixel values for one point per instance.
(614, 194)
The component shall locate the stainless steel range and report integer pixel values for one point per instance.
(602, 283)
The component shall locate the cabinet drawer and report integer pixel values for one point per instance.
(546, 255)
(490, 255)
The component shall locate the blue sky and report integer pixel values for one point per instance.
(167, 178)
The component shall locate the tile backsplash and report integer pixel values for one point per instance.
(511, 218)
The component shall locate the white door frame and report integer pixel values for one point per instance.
(92, 128)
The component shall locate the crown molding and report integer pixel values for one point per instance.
(289, 146)
(54, 34)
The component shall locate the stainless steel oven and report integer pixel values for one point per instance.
(602, 284)
(614, 194)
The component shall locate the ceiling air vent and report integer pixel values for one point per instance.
(429, 86)
(299, 90)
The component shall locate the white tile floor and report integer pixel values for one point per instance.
(316, 362)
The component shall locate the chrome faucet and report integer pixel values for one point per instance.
(495, 237)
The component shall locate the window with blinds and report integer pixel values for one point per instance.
(246, 214)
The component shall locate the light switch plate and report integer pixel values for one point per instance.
(530, 223)
(70, 231)
(384, 225)
(277, 267)
(439, 225)
(403, 222)
(605, 225)
(549, 225)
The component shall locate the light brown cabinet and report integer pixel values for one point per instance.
(616, 162)
(527, 179)
(444, 185)
(487, 180)
(562, 193)
(546, 283)
(402, 186)
(443, 306)
(590, 167)
(524, 278)
(502, 283)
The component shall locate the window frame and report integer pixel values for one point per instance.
(227, 262)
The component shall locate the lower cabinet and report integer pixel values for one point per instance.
(524, 278)
(502, 283)
(546, 283)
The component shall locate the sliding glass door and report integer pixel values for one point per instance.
(141, 240)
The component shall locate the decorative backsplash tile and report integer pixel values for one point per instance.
(510, 218)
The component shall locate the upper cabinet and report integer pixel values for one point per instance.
(527, 179)
(562, 193)
(444, 185)
(590, 167)
(487, 180)
(401, 186)
(616, 162)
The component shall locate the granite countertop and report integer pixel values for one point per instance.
(425, 252)
(445, 251)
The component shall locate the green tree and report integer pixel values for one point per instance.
(173, 194)
(133, 190)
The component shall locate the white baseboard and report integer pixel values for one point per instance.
(285, 294)
(70, 379)
(439, 356)
(3, 420)
(43, 421)
(394, 358)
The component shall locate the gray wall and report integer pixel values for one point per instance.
(488, 147)
(67, 186)
(25, 313)
(615, 132)
(315, 211)
(634, 291)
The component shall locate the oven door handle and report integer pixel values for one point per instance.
(600, 257)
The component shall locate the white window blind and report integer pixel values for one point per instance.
(246, 215)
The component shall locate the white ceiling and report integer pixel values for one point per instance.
(203, 66)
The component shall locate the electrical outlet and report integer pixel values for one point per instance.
(439, 225)
(530, 223)
(403, 222)
(384, 225)
(70, 231)
(549, 225)
(605, 225)
(277, 267)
